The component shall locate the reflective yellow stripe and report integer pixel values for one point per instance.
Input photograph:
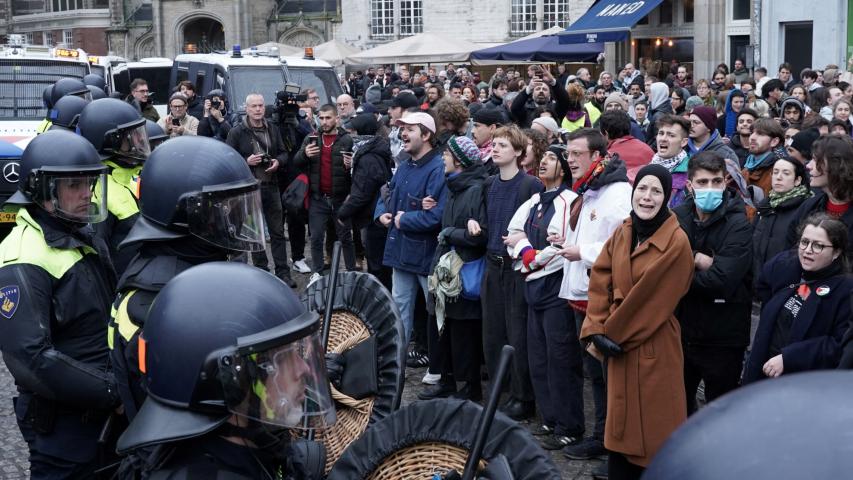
(121, 191)
(25, 244)
(44, 126)
(126, 328)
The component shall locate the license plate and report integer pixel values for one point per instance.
(8, 217)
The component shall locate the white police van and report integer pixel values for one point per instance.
(25, 71)
(156, 71)
(240, 73)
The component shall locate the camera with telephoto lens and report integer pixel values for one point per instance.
(286, 113)
(215, 104)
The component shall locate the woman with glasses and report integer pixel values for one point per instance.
(177, 122)
(806, 304)
(678, 99)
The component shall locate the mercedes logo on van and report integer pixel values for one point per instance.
(11, 172)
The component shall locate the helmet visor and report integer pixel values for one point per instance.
(231, 219)
(78, 198)
(284, 385)
(129, 141)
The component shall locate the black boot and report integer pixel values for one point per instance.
(442, 390)
(471, 391)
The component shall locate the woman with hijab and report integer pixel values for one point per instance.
(806, 304)
(659, 104)
(727, 123)
(644, 269)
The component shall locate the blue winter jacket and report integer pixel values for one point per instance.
(411, 247)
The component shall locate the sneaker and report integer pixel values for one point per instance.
(314, 277)
(416, 359)
(542, 430)
(558, 442)
(431, 378)
(301, 267)
(587, 448)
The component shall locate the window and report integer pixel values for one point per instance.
(740, 9)
(28, 38)
(688, 11)
(323, 80)
(47, 38)
(556, 13)
(665, 12)
(25, 7)
(411, 17)
(523, 17)
(381, 18)
(62, 5)
(246, 80)
(68, 37)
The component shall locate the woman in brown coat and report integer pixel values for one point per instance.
(644, 269)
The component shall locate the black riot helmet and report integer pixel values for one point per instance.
(202, 187)
(69, 86)
(46, 97)
(66, 112)
(97, 92)
(116, 130)
(259, 357)
(156, 134)
(95, 80)
(791, 427)
(62, 173)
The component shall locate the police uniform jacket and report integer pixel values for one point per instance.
(55, 291)
(122, 191)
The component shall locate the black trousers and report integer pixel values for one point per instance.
(373, 237)
(321, 211)
(719, 367)
(556, 368)
(274, 218)
(595, 372)
(619, 468)
(505, 323)
(296, 234)
(459, 350)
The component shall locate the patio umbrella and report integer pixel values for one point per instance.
(334, 52)
(422, 48)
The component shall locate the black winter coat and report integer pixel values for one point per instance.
(818, 204)
(210, 127)
(371, 169)
(814, 340)
(242, 139)
(466, 200)
(716, 310)
(523, 108)
(341, 179)
(771, 231)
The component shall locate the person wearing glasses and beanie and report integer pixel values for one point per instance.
(177, 122)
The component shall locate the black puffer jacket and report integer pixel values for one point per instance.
(371, 169)
(771, 230)
(716, 310)
(466, 200)
(818, 204)
(340, 175)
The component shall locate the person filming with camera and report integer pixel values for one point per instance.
(177, 122)
(260, 143)
(216, 121)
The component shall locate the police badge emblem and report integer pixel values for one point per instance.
(9, 296)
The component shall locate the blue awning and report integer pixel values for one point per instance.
(608, 21)
(543, 49)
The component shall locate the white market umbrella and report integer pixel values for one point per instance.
(334, 52)
(421, 48)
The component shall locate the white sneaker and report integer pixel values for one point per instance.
(314, 277)
(301, 267)
(431, 378)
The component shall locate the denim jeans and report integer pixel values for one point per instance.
(404, 288)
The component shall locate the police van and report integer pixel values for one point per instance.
(156, 72)
(112, 68)
(25, 71)
(240, 73)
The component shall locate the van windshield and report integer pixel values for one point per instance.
(157, 79)
(23, 80)
(324, 80)
(246, 80)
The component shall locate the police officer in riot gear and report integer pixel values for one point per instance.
(61, 88)
(156, 135)
(117, 131)
(233, 361)
(66, 112)
(199, 203)
(56, 286)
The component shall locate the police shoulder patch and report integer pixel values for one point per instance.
(9, 296)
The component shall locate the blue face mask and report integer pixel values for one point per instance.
(707, 199)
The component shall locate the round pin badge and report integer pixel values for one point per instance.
(822, 290)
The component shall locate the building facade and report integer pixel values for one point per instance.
(74, 23)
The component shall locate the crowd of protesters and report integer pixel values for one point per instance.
(621, 229)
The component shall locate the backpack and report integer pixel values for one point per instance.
(295, 198)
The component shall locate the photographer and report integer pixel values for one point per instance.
(216, 121)
(260, 143)
(178, 123)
